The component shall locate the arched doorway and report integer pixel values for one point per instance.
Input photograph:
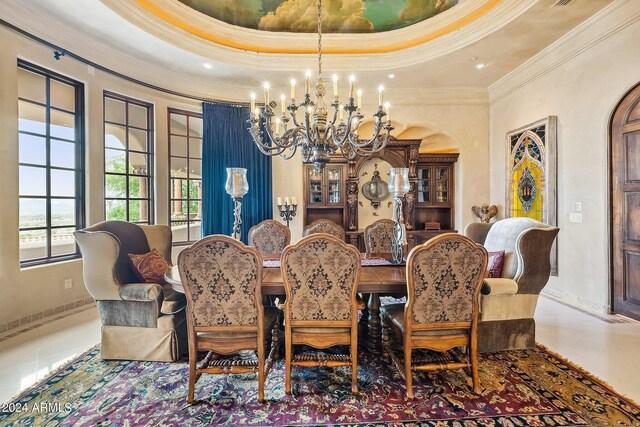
(625, 205)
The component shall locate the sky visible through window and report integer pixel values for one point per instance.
(33, 180)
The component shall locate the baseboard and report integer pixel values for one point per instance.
(15, 327)
(609, 318)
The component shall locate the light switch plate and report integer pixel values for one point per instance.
(577, 207)
(575, 217)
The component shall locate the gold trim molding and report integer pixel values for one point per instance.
(180, 16)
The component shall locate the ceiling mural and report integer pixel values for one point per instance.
(339, 16)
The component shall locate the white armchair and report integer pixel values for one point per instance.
(508, 303)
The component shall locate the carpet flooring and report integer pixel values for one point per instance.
(520, 388)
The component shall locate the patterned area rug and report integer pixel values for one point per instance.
(524, 388)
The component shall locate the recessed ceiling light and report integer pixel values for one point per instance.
(207, 66)
(392, 76)
(480, 66)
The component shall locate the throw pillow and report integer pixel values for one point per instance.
(149, 267)
(495, 264)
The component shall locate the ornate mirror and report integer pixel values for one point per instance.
(375, 189)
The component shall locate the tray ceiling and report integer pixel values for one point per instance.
(339, 16)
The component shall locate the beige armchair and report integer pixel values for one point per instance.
(508, 303)
(140, 321)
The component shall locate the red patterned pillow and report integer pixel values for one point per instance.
(495, 264)
(149, 267)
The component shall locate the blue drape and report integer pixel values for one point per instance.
(227, 143)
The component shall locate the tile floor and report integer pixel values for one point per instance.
(607, 346)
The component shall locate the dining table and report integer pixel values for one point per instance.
(377, 277)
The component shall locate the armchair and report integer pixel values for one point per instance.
(508, 303)
(140, 321)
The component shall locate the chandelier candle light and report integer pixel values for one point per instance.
(319, 134)
(398, 186)
(288, 208)
(236, 186)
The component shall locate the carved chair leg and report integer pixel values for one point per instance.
(193, 356)
(288, 360)
(473, 356)
(261, 373)
(354, 365)
(407, 369)
(275, 338)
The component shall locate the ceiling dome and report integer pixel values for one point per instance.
(339, 16)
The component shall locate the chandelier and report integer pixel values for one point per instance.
(319, 134)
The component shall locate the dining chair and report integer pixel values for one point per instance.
(269, 237)
(321, 275)
(378, 238)
(324, 226)
(444, 276)
(222, 279)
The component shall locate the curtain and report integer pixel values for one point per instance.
(227, 143)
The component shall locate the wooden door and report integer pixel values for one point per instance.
(625, 204)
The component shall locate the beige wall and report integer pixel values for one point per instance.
(579, 79)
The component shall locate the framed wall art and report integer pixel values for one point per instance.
(531, 176)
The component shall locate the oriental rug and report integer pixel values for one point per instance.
(520, 388)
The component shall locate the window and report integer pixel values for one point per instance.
(127, 159)
(51, 156)
(185, 179)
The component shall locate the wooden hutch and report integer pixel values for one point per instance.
(333, 193)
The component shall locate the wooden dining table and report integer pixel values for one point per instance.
(374, 281)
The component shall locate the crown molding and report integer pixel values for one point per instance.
(301, 48)
(440, 96)
(614, 18)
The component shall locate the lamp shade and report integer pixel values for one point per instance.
(399, 181)
(237, 184)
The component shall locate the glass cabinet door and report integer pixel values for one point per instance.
(334, 183)
(442, 185)
(315, 186)
(424, 184)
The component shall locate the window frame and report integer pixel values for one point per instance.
(149, 155)
(188, 199)
(79, 167)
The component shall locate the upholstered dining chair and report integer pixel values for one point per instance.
(321, 275)
(444, 276)
(378, 238)
(324, 226)
(269, 237)
(222, 279)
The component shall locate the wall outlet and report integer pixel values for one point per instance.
(68, 284)
(575, 217)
